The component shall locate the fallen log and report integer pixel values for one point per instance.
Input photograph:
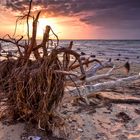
(88, 90)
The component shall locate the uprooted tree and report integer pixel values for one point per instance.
(35, 87)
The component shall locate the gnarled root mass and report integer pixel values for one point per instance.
(34, 89)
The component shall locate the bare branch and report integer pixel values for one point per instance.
(29, 11)
(55, 36)
(67, 73)
(11, 41)
(45, 40)
(85, 63)
(33, 40)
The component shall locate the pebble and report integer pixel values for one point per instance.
(117, 59)
(34, 138)
(101, 136)
(82, 58)
(80, 130)
(126, 58)
(82, 53)
(92, 55)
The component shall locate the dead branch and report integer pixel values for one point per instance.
(90, 79)
(45, 40)
(91, 89)
(67, 73)
(55, 36)
(93, 69)
(66, 57)
(28, 15)
(75, 54)
(11, 41)
(33, 40)
(85, 63)
(15, 42)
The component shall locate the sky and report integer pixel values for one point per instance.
(75, 19)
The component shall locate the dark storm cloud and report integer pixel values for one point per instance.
(104, 13)
(117, 17)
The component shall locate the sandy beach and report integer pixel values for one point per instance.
(101, 121)
(70, 70)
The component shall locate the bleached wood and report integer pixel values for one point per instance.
(93, 69)
(93, 78)
(90, 72)
(90, 89)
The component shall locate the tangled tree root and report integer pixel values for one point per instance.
(34, 89)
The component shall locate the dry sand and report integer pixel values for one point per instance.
(11, 132)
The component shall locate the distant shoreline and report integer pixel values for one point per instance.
(93, 39)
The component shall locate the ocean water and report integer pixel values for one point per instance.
(118, 50)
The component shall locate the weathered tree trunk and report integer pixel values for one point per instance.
(33, 40)
(45, 40)
(91, 89)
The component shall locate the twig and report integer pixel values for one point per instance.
(29, 11)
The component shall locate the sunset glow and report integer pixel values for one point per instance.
(42, 24)
(73, 20)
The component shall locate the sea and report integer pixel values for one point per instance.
(117, 50)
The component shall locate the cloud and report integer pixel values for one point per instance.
(103, 13)
(117, 17)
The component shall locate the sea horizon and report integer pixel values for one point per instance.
(96, 39)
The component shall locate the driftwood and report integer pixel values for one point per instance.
(90, 74)
(87, 90)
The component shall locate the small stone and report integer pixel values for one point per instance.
(101, 136)
(82, 58)
(82, 53)
(80, 130)
(92, 55)
(34, 138)
(117, 59)
(126, 58)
